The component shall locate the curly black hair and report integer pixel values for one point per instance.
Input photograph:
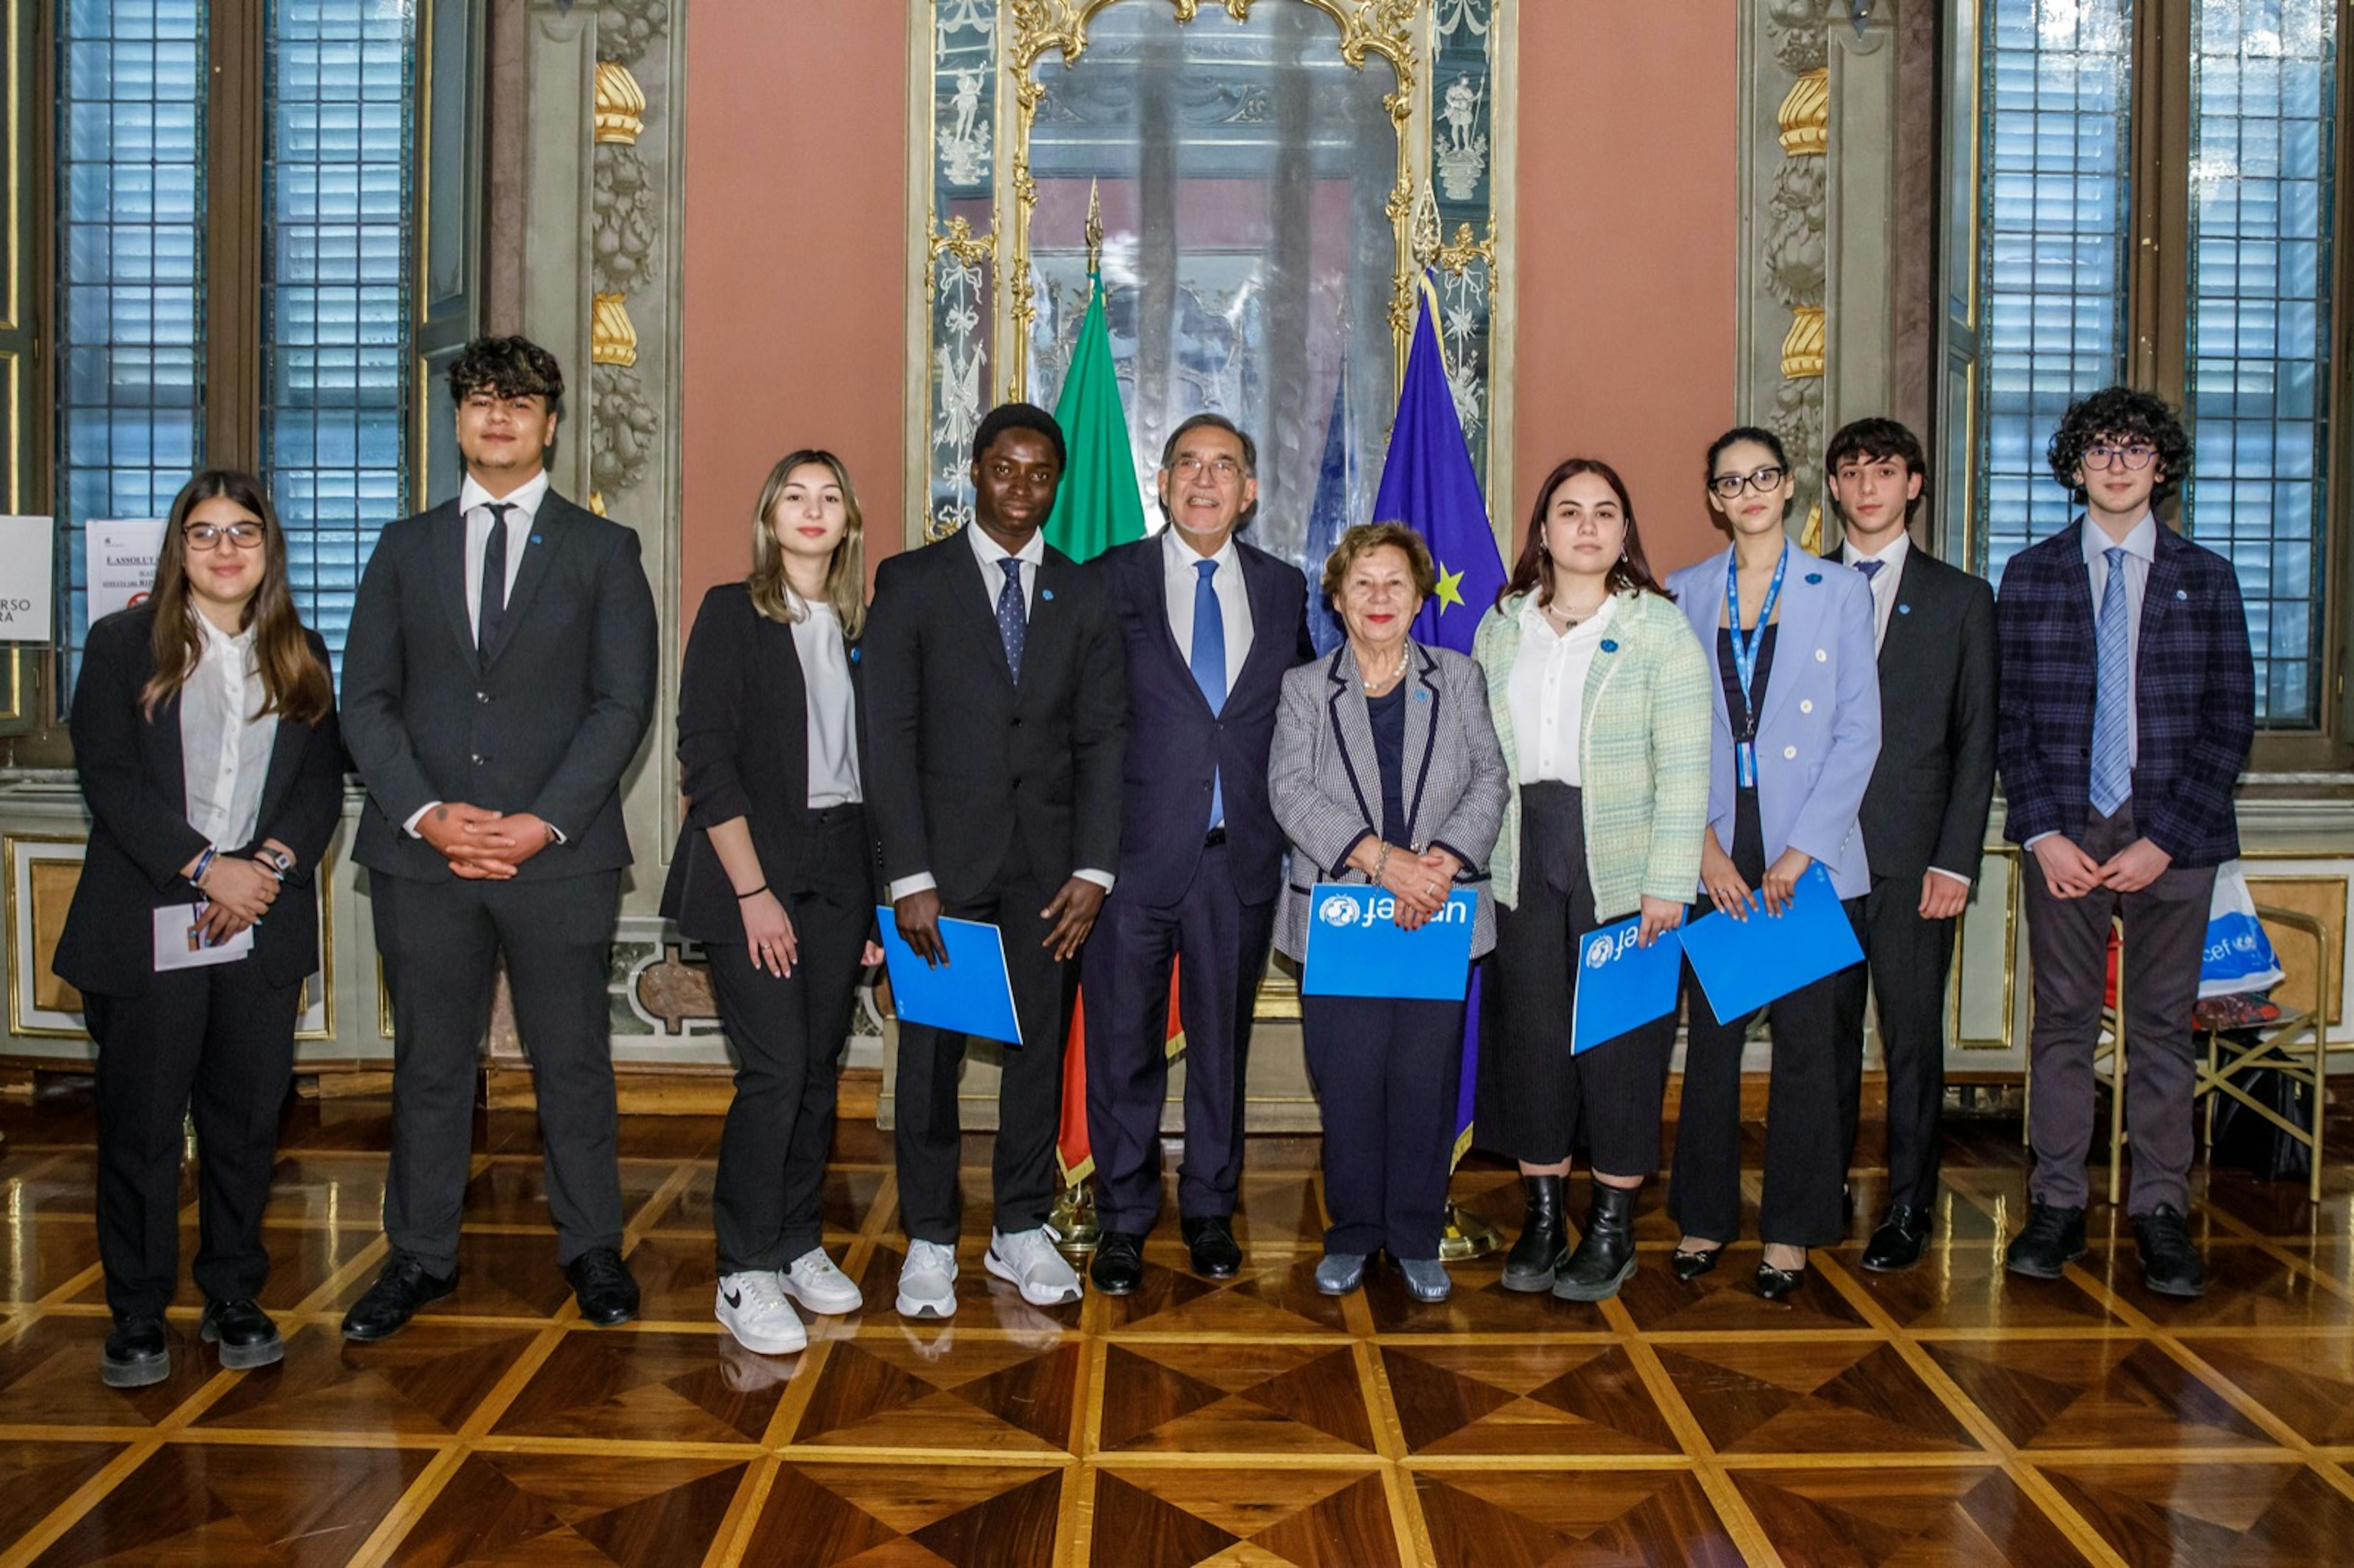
(2119, 414)
(1020, 416)
(505, 367)
(1881, 440)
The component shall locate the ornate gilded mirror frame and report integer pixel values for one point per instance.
(974, 93)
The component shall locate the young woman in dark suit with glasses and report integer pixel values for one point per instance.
(204, 727)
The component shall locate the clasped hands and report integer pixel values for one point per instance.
(1418, 885)
(2069, 872)
(238, 891)
(483, 846)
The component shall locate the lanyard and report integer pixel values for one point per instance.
(1744, 656)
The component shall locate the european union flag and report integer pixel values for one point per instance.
(1428, 483)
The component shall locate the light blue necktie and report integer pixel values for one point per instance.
(2113, 694)
(1012, 621)
(1210, 664)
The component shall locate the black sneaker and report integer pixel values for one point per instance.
(2170, 1262)
(138, 1352)
(247, 1337)
(402, 1288)
(2050, 1241)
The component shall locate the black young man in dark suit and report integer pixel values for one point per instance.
(498, 677)
(1924, 812)
(996, 703)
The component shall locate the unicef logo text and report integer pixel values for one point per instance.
(1339, 909)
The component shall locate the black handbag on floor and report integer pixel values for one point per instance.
(2247, 1140)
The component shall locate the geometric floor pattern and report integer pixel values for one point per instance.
(1945, 1415)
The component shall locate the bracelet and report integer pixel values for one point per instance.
(1381, 861)
(754, 894)
(204, 864)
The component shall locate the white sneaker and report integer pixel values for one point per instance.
(818, 1285)
(753, 1308)
(1028, 1261)
(928, 1281)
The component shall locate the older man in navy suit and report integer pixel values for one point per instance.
(1210, 624)
(2128, 708)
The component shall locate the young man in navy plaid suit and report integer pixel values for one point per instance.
(2127, 707)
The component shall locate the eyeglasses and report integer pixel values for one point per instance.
(1762, 480)
(1224, 470)
(207, 535)
(2139, 455)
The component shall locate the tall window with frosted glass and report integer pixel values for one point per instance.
(335, 289)
(131, 230)
(2052, 257)
(2261, 191)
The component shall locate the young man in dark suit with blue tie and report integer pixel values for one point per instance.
(1210, 624)
(2127, 709)
(996, 708)
(498, 678)
(1924, 812)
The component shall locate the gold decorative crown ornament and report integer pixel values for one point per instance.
(1802, 346)
(613, 336)
(621, 103)
(1805, 116)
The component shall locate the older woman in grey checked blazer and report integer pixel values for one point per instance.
(1386, 771)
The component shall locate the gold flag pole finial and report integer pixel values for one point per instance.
(1427, 232)
(1094, 228)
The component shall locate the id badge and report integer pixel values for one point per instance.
(1744, 763)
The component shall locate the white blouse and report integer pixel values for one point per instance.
(1547, 690)
(223, 746)
(832, 705)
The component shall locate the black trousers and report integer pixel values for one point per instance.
(788, 1034)
(1386, 1073)
(1906, 961)
(440, 943)
(1805, 1157)
(2068, 939)
(1030, 1085)
(217, 1043)
(1536, 1100)
(1219, 944)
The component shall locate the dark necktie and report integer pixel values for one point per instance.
(1870, 570)
(1012, 616)
(491, 609)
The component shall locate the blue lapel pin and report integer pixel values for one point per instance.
(1421, 697)
(2182, 593)
(1814, 576)
(534, 538)
(1610, 645)
(853, 655)
(1903, 609)
(1046, 593)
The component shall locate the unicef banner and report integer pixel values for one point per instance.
(2239, 956)
(1356, 948)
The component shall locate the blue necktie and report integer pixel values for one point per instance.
(1012, 621)
(1870, 570)
(1210, 664)
(2113, 694)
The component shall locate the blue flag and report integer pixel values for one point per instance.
(1428, 483)
(1328, 518)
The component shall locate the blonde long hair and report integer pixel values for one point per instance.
(845, 574)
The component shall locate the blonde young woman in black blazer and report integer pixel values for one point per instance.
(775, 874)
(204, 727)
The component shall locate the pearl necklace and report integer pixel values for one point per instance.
(1396, 674)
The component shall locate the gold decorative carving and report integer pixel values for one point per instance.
(1805, 117)
(1427, 230)
(596, 503)
(613, 336)
(619, 104)
(1462, 250)
(1802, 346)
(1810, 537)
(1382, 28)
(1095, 224)
(968, 250)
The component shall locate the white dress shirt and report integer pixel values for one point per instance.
(474, 506)
(1883, 582)
(989, 552)
(224, 739)
(2141, 551)
(1181, 579)
(832, 702)
(1547, 691)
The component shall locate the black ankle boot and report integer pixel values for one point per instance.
(1605, 1251)
(1544, 1238)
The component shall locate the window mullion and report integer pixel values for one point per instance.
(234, 234)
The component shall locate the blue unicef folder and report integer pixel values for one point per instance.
(1621, 985)
(1355, 947)
(1744, 964)
(968, 994)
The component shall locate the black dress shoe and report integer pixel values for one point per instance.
(1118, 1268)
(138, 1352)
(2052, 1239)
(1902, 1234)
(602, 1285)
(1605, 1248)
(1544, 1245)
(1212, 1243)
(2170, 1262)
(247, 1337)
(399, 1290)
(1775, 1283)
(1691, 1265)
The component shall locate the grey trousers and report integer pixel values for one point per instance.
(2165, 936)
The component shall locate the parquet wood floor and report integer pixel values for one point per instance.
(1948, 1414)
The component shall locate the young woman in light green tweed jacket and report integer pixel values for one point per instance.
(1600, 696)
